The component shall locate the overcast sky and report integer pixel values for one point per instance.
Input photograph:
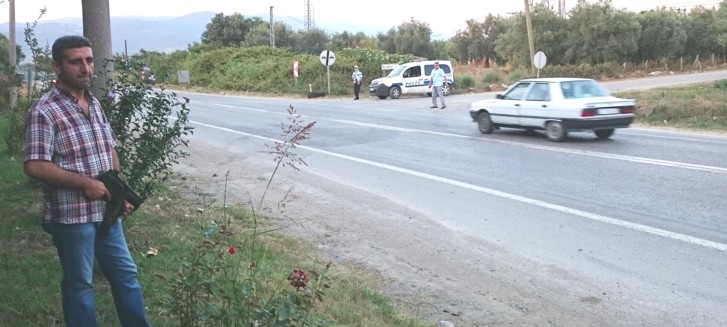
(444, 18)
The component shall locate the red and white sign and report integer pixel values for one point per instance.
(295, 68)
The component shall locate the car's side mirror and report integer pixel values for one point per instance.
(499, 96)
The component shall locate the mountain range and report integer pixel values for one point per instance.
(129, 34)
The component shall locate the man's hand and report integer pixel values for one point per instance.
(128, 208)
(95, 190)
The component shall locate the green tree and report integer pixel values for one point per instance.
(386, 41)
(347, 39)
(311, 41)
(229, 30)
(470, 42)
(413, 37)
(599, 33)
(342, 40)
(662, 34)
(260, 36)
(493, 28)
(701, 32)
(720, 25)
(549, 35)
(5, 73)
(442, 49)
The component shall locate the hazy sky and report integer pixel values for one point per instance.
(444, 19)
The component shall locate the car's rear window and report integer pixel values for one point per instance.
(582, 89)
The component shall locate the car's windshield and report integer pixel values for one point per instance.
(397, 71)
(582, 89)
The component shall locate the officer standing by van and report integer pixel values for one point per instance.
(357, 77)
(438, 80)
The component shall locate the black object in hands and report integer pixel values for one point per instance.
(120, 191)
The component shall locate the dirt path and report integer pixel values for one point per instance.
(427, 269)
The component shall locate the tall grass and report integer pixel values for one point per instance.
(702, 106)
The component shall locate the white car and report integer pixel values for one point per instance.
(556, 105)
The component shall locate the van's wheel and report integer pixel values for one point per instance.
(604, 133)
(484, 123)
(446, 89)
(395, 92)
(382, 97)
(555, 131)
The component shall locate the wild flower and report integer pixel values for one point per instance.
(298, 279)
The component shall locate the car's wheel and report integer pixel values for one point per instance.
(555, 131)
(382, 97)
(446, 89)
(395, 92)
(604, 133)
(484, 123)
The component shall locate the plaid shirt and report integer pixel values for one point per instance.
(58, 131)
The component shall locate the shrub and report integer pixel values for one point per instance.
(516, 75)
(491, 78)
(148, 142)
(465, 82)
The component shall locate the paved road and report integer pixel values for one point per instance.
(643, 214)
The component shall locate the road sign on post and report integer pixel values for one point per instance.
(327, 58)
(539, 61)
(295, 71)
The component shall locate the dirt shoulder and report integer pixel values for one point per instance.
(426, 269)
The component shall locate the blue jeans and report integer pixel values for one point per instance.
(77, 245)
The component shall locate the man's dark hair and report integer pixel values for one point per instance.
(68, 42)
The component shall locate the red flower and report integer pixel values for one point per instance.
(252, 265)
(298, 279)
(232, 250)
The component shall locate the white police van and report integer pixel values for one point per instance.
(411, 78)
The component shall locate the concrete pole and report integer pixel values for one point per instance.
(12, 56)
(272, 29)
(97, 28)
(531, 42)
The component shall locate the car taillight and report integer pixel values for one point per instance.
(588, 112)
(627, 110)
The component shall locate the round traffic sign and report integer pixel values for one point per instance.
(327, 57)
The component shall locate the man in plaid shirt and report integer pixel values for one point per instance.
(68, 143)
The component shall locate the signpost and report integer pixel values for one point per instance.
(295, 71)
(387, 67)
(327, 58)
(539, 61)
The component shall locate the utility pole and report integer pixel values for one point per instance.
(531, 43)
(97, 28)
(12, 56)
(272, 29)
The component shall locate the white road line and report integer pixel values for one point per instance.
(642, 160)
(584, 214)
